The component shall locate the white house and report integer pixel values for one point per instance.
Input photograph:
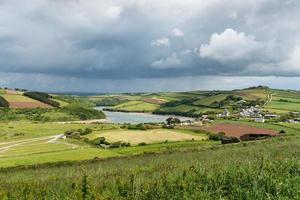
(259, 119)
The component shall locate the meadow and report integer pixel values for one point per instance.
(180, 162)
(135, 137)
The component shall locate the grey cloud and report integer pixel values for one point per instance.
(112, 39)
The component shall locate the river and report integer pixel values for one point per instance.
(136, 118)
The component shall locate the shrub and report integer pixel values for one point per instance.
(115, 145)
(137, 127)
(228, 140)
(3, 102)
(282, 132)
(84, 113)
(99, 140)
(85, 132)
(214, 137)
(168, 126)
(142, 144)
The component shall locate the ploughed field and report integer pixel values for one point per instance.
(17, 100)
(236, 130)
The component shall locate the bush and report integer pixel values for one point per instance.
(99, 140)
(3, 102)
(85, 131)
(282, 132)
(228, 140)
(214, 137)
(137, 127)
(84, 113)
(142, 144)
(115, 145)
(168, 126)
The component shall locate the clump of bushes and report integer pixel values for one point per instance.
(3, 102)
(223, 138)
(137, 127)
(282, 132)
(84, 113)
(142, 144)
(76, 134)
(119, 144)
(229, 139)
(166, 126)
(216, 137)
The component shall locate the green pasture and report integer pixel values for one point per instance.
(136, 106)
(207, 101)
(18, 130)
(253, 170)
(281, 105)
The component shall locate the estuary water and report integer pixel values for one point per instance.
(135, 118)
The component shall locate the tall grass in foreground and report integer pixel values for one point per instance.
(261, 170)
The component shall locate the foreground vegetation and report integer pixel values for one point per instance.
(45, 156)
(260, 170)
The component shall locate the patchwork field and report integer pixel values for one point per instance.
(24, 143)
(135, 137)
(136, 106)
(19, 101)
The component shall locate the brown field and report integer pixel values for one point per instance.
(20, 101)
(28, 105)
(11, 92)
(239, 130)
(154, 101)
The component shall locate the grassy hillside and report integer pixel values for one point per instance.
(260, 170)
(136, 106)
(284, 101)
(24, 108)
(185, 103)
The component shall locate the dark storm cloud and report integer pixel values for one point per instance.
(149, 39)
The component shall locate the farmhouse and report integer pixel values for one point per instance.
(225, 113)
(250, 112)
(270, 116)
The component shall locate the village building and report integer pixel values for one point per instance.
(259, 120)
(225, 113)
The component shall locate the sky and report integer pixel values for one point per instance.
(142, 45)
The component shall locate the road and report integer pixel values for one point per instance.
(269, 99)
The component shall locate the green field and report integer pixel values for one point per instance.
(284, 102)
(156, 162)
(136, 106)
(260, 170)
(25, 143)
(191, 104)
(209, 100)
(135, 137)
(289, 106)
(33, 144)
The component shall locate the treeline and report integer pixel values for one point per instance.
(83, 113)
(3, 102)
(109, 101)
(43, 97)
